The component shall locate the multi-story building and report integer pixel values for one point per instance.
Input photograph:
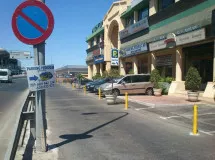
(104, 40)
(170, 35)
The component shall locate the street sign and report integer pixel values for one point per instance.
(40, 77)
(32, 22)
(20, 55)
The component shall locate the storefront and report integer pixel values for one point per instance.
(135, 58)
(201, 57)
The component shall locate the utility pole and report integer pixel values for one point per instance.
(39, 59)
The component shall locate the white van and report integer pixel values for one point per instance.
(5, 75)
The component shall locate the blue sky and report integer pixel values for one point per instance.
(74, 21)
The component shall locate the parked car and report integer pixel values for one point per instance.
(85, 81)
(96, 89)
(91, 83)
(102, 81)
(132, 84)
(5, 75)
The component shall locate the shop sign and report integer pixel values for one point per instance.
(114, 57)
(135, 49)
(99, 59)
(139, 26)
(170, 40)
(191, 37)
(164, 60)
(157, 45)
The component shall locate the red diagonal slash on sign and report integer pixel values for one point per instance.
(29, 20)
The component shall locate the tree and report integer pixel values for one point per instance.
(155, 78)
(193, 79)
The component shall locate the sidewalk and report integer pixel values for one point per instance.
(152, 101)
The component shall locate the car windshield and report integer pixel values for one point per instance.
(3, 73)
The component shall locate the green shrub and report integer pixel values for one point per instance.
(105, 74)
(155, 78)
(113, 73)
(97, 76)
(169, 79)
(131, 71)
(193, 79)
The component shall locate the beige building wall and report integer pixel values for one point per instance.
(111, 21)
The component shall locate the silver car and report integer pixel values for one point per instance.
(132, 84)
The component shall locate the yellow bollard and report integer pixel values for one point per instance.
(85, 90)
(126, 101)
(195, 119)
(99, 93)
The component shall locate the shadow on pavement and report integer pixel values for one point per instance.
(72, 137)
(29, 148)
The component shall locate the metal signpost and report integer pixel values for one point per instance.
(33, 23)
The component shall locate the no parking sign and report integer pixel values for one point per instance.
(32, 22)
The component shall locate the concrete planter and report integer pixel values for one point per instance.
(111, 99)
(193, 96)
(157, 92)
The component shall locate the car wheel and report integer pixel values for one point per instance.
(116, 92)
(149, 92)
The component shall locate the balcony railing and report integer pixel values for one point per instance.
(100, 45)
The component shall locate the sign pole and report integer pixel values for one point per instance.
(39, 54)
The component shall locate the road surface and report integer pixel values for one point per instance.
(85, 128)
(12, 96)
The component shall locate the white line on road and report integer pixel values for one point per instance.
(208, 133)
(138, 109)
(169, 117)
(198, 114)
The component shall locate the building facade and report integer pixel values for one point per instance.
(104, 42)
(169, 35)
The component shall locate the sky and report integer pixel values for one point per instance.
(74, 20)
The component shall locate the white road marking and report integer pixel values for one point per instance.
(211, 132)
(169, 117)
(208, 133)
(199, 114)
(138, 109)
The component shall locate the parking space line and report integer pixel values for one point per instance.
(138, 109)
(208, 133)
(169, 117)
(198, 114)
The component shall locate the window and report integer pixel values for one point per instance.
(92, 43)
(165, 3)
(2, 73)
(97, 40)
(143, 13)
(129, 21)
(127, 79)
(140, 78)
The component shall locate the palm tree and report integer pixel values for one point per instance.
(80, 77)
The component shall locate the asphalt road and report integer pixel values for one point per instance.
(85, 128)
(12, 96)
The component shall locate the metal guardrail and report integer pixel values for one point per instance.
(26, 113)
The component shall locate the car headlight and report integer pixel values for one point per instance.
(91, 85)
(108, 87)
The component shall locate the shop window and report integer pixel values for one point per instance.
(143, 13)
(164, 65)
(165, 3)
(128, 67)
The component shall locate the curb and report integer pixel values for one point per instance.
(164, 105)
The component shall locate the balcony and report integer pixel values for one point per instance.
(100, 45)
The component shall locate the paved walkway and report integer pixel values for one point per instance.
(167, 100)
